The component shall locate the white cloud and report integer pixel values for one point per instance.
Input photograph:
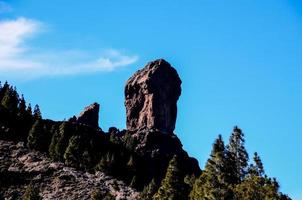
(4, 7)
(19, 60)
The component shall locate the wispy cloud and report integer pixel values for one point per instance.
(18, 59)
(4, 7)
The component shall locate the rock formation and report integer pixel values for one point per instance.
(151, 104)
(151, 96)
(89, 116)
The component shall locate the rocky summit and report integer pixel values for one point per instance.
(89, 116)
(151, 96)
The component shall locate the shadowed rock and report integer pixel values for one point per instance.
(151, 97)
(89, 116)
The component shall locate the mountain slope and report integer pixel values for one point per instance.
(21, 166)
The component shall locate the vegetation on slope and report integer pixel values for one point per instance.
(227, 174)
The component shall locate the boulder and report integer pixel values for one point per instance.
(151, 96)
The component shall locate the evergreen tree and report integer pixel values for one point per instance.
(212, 182)
(107, 163)
(9, 112)
(37, 112)
(255, 187)
(73, 152)
(29, 110)
(60, 141)
(258, 164)
(216, 163)
(87, 161)
(3, 90)
(10, 100)
(22, 106)
(37, 138)
(172, 186)
(257, 167)
(237, 157)
(24, 120)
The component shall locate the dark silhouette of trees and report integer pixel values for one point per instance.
(15, 120)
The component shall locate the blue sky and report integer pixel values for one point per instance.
(240, 63)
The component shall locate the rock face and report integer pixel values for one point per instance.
(151, 96)
(89, 116)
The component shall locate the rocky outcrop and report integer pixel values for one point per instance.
(89, 116)
(20, 167)
(151, 96)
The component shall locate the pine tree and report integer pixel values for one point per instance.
(216, 163)
(35, 136)
(60, 141)
(37, 112)
(29, 110)
(237, 157)
(10, 100)
(107, 163)
(22, 106)
(3, 90)
(256, 185)
(172, 186)
(257, 167)
(73, 152)
(212, 182)
(24, 120)
(258, 164)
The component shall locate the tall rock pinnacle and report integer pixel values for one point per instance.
(151, 96)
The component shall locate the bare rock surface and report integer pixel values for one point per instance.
(89, 116)
(151, 96)
(54, 179)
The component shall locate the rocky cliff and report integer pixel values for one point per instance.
(89, 116)
(151, 96)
